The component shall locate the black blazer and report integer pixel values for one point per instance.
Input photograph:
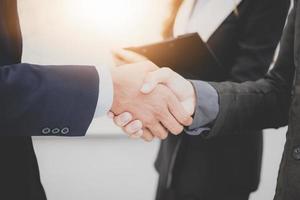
(191, 166)
(271, 102)
(32, 98)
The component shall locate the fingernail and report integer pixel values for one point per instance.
(125, 118)
(135, 127)
(149, 138)
(146, 88)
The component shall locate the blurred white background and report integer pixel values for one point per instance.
(108, 166)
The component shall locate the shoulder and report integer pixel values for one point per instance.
(275, 8)
(264, 4)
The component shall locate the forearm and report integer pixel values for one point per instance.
(260, 104)
(235, 107)
(250, 106)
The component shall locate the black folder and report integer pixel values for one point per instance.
(187, 55)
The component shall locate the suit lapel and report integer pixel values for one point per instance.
(211, 17)
(205, 23)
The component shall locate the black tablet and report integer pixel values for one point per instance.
(188, 55)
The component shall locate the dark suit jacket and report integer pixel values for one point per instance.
(34, 99)
(271, 102)
(204, 169)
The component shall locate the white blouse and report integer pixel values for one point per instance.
(203, 16)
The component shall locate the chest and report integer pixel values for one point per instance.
(224, 41)
(217, 23)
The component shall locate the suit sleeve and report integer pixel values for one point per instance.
(261, 104)
(253, 58)
(47, 100)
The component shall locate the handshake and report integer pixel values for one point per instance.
(149, 101)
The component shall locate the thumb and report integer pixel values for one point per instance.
(154, 78)
(189, 106)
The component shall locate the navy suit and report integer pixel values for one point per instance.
(36, 100)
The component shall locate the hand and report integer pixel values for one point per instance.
(122, 57)
(181, 87)
(157, 111)
(164, 75)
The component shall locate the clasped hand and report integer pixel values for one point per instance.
(149, 101)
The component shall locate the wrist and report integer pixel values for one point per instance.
(116, 86)
(105, 91)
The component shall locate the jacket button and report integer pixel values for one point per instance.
(46, 131)
(55, 130)
(65, 131)
(296, 153)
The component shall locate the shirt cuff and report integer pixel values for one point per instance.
(105, 95)
(207, 108)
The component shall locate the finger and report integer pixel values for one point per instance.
(137, 134)
(110, 115)
(147, 135)
(133, 127)
(189, 105)
(119, 61)
(159, 131)
(123, 119)
(170, 123)
(151, 80)
(128, 56)
(179, 112)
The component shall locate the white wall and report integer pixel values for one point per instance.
(97, 168)
(116, 168)
(109, 167)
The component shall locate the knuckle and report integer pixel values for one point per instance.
(148, 138)
(164, 136)
(166, 70)
(178, 130)
(158, 111)
(150, 64)
(186, 119)
(158, 114)
(149, 122)
(168, 96)
(161, 135)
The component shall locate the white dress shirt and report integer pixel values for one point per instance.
(187, 17)
(105, 94)
(203, 16)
